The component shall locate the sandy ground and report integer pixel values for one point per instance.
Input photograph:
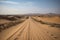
(2, 21)
(54, 19)
(31, 30)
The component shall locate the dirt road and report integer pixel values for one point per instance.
(32, 30)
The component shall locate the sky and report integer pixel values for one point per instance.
(29, 6)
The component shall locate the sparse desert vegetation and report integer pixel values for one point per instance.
(9, 21)
(40, 27)
(53, 21)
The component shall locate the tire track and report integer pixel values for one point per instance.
(25, 33)
(29, 31)
(20, 33)
(17, 32)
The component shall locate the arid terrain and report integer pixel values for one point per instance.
(29, 27)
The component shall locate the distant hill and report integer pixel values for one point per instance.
(51, 14)
(30, 14)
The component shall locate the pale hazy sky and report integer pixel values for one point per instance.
(29, 6)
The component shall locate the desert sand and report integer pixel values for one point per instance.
(32, 30)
